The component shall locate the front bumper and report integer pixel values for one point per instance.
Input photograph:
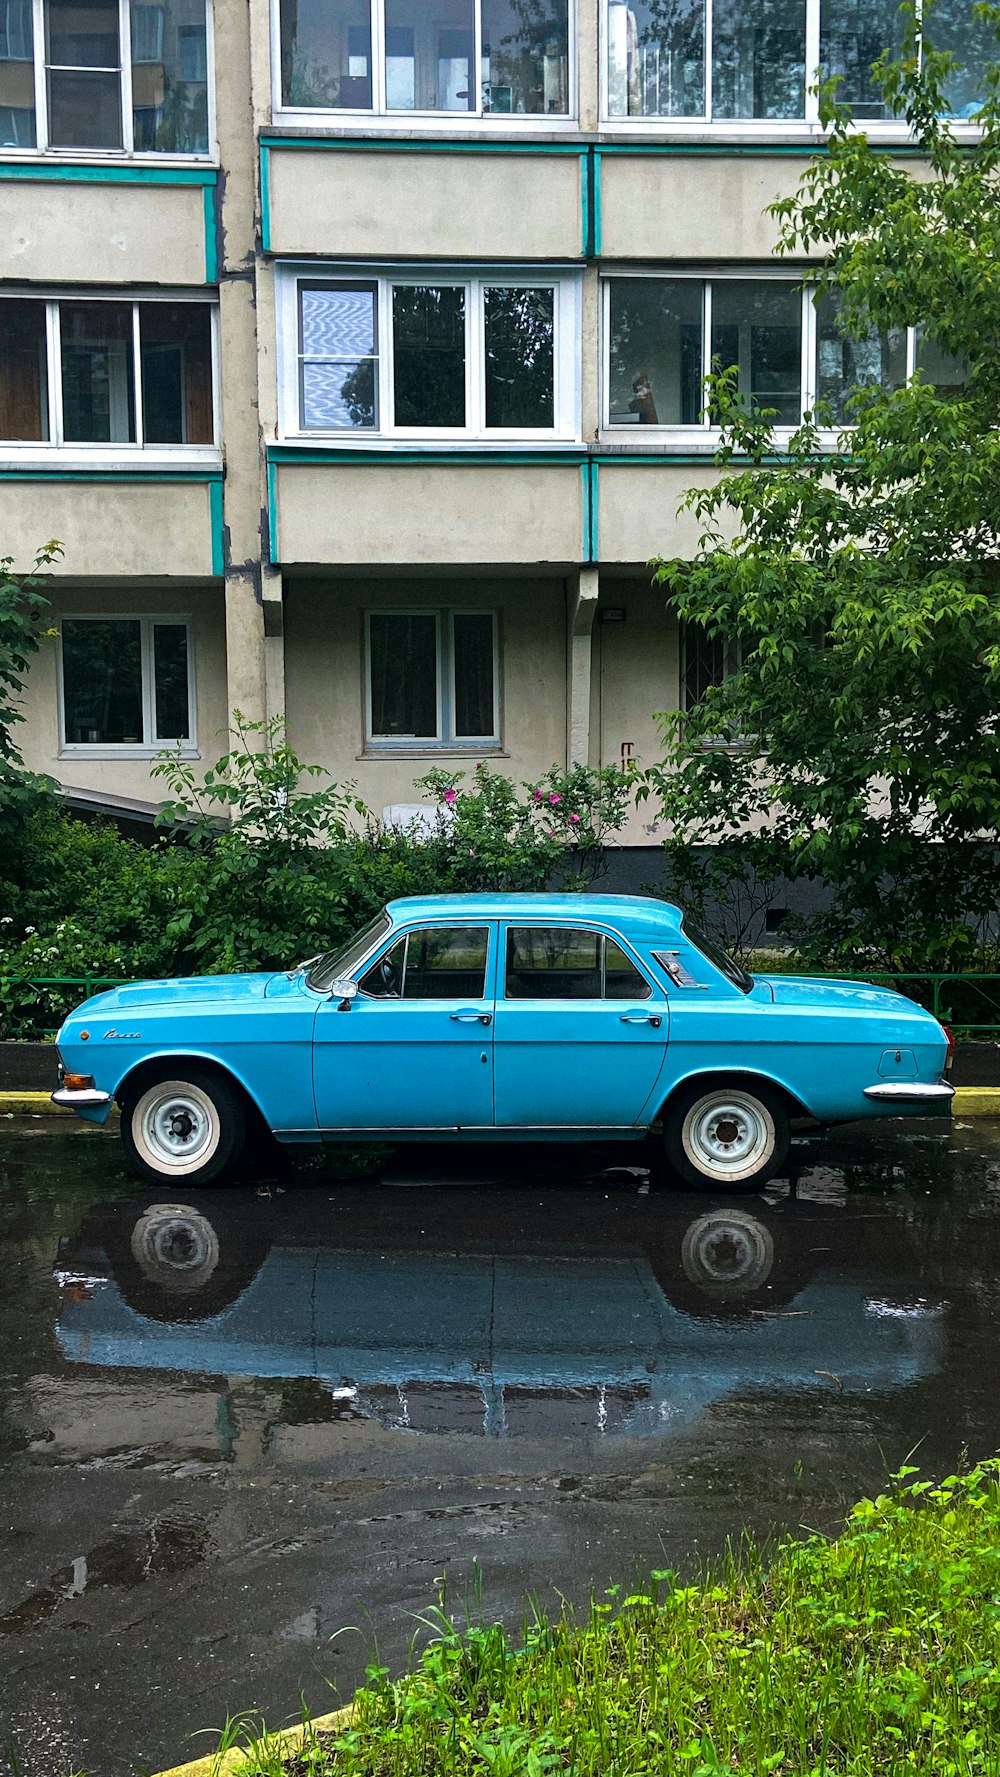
(910, 1092)
(87, 1098)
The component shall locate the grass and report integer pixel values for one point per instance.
(878, 1652)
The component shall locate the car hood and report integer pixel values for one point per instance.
(811, 990)
(192, 990)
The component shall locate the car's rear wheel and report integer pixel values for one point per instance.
(188, 1125)
(726, 1135)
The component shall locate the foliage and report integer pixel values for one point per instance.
(860, 570)
(22, 611)
(879, 1651)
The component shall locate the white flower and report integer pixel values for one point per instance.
(28, 930)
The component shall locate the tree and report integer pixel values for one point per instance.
(860, 740)
(22, 618)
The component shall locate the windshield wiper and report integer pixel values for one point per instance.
(290, 974)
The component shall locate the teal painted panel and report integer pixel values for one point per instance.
(272, 512)
(211, 237)
(217, 516)
(265, 198)
(425, 145)
(114, 475)
(107, 175)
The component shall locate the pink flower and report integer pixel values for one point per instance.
(575, 820)
(471, 852)
(552, 833)
(554, 799)
(538, 795)
(451, 796)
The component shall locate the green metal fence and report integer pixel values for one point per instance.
(968, 1003)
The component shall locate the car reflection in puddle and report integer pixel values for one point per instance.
(446, 1310)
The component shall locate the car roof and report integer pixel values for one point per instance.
(632, 911)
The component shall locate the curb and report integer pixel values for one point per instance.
(29, 1104)
(976, 1101)
(229, 1764)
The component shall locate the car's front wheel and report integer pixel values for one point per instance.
(189, 1124)
(726, 1135)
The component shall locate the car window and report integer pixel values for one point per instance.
(724, 963)
(560, 963)
(335, 963)
(444, 963)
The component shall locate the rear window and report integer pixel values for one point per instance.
(717, 955)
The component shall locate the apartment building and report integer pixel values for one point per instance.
(353, 350)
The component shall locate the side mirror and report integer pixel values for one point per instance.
(345, 992)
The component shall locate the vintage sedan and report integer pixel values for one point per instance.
(500, 1017)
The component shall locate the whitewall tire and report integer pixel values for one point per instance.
(726, 1135)
(189, 1125)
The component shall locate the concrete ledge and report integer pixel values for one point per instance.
(30, 1104)
(230, 1764)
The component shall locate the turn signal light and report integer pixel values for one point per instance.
(949, 1058)
(78, 1082)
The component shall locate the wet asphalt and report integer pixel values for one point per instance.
(246, 1435)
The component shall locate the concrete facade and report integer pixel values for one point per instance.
(277, 536)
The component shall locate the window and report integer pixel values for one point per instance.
(720, 61)
(444, 964)
(439, 355)
(420, 57)
(433, 679)
(107, 373)
(789, 346)
(118, 75)
(707, 661)
(551, 963)
(127, 682)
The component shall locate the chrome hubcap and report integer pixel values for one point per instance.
(728, 1135)
(178, 1126)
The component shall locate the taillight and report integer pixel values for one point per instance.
(949, 1058)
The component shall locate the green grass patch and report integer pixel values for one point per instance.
(876, 1652)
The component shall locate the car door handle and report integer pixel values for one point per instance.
(472, 1018)
(652, 1018)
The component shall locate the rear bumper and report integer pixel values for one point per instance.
(86, 1099)
(910, 1092)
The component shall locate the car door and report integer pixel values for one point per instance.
(580, 1032)
(414, 1049)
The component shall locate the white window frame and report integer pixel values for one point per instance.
(445, 741)
(750, 129)
(127, 151)
(438, 122)
(702, 435)
(151, 744)
(54, 451)
(387, 435)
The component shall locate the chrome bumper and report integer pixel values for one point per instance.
(910, 1092)
(86, 1099)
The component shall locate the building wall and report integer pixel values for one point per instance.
(276, 539)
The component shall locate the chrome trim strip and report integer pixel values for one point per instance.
(609, 1132)
(910, 1092)
(84, 1099)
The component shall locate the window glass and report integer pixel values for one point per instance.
(339, 358)
(552, 963)
(384, 980)
(758, 58)
(758, 327)
(446, 964)
(472, 636)
(520, 336)
(326, 54)
(708, 659)
(84, 80)
(941, 369)
(169, 79)
(430, 55)
(17, 75)
(335, 963)
(622, 980)
(170, 681)
(175, 344)
(402, 664)
(717, 955)
(428, 324)
(853, 34)
(102, 681)
(525, 56)
(656, 58)
(655, 369)
(845, 364)
(97, 372)
(24, 399)
(953, 25)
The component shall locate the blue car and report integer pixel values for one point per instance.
(496, 1017)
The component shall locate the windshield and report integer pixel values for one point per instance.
(731, 970)
(334, 964)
